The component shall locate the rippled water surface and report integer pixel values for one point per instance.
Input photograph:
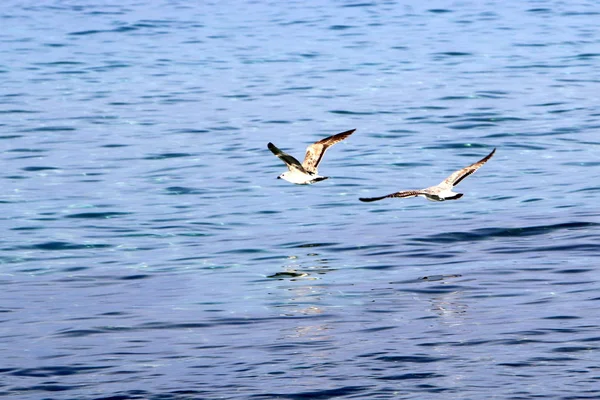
(148, 252)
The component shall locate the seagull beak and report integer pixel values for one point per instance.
(279, 177)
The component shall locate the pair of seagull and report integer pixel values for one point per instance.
(306, 172)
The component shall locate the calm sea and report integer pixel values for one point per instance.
(149, 252)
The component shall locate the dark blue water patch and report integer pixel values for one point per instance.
(194, 325)
(499, 135)
(121, 29)
(56, 45)
(487, 233)
(98, 215)
(278, 122)
(562, 317)
(551, 104)
(591, 248)
(239, 96)
(411, 359)
(224, 128)
(379, 267)
(180, 190)
(354, 5)
(532, 200)
(72, 333)
(65, 246)
(563, 111)
(299, 88)
(583, 163)
(242, 251)
(44, 372)
(168, 155)
(574, 349)
(529, 45)
(18, 111)
(50, 129)
(58, 63)
(74, 269)
(172, 395)
(120, 103)
(411, 376)
(308, 245)
(314, 394)
(579, 13)
(134, 277)
(540, 10)
(35, 169)
(49, 387)
(10, 137)
(190, 130)
(454, 98)
(439, 288)
(471, 126)
(346, 112)
(573, 271)
(453, 54)
(439, 11)
(587, 56)
(340, 27)
(516, 364)
(537, 66)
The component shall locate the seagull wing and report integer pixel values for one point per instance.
(403, 194)
(315, 152)
(459, 175)
(290, 161)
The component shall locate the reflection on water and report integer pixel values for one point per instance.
(451, 307)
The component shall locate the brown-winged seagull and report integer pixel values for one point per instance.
(440, 192)
(306, 173)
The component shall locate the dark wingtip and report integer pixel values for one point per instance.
(350, 132)
(270, 145)
(369, 199)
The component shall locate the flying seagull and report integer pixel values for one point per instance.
(440, 192)
(306, 173)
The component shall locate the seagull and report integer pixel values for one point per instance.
(440, 192)
(306, 173)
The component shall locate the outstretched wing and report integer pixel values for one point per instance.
(459, 175)
(314, 152)
(403, 194)
(290, 161)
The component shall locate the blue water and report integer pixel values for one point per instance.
(149, 252)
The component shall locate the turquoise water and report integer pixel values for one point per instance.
(149, 252)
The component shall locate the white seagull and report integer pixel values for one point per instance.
(440, 192)
(306, 173)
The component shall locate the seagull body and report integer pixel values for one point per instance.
(306, 173)
(440, 192)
